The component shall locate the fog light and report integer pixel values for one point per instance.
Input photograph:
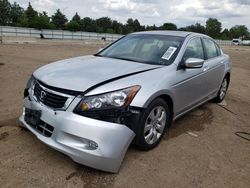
(92, 145)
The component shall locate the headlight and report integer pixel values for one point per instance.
(114, 99)
(30, 82)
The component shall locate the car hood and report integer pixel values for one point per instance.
(82, 73)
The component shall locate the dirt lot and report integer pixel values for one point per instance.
(215, 158)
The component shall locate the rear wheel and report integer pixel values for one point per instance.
(223, 90)
(152, 125)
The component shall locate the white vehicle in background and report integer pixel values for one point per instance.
(236, 41)
(246, 42)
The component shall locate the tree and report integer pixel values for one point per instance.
(168, 26)
(76, 18)
(59, 19)
(132, 26)
(137, 25)
(73, 26)
(198, 28)
(15, 13)
(151, 28)
(213, 27)
(5, 9)
(226, 35)
(110, 30)
(117, 27)
(88, 24)
(23, 21)
(42, 21)
(129, 27)
(103, 24)
(30, 12)
(239, 31)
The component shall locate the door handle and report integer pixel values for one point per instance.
(205, 68)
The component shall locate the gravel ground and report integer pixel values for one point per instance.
(199, 150)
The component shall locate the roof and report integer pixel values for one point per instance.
(165, 32)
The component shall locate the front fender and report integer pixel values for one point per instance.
(156, 95)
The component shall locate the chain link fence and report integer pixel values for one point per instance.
(56, 34)
(68, 35)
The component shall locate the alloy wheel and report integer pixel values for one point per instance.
(155, 124)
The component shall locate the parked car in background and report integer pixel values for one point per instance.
(92, 107)
(237, 41)
(246, 42)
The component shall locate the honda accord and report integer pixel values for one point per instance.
(92, 108)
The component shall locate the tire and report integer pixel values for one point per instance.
(152, 125)
(223, 90)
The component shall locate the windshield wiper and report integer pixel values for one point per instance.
(123, 58)
(98, 55)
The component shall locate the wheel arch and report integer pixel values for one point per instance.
(227, 75)
(167, 97)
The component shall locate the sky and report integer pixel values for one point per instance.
(149, 12)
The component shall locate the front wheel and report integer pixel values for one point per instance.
(223, 90)
(152, 125)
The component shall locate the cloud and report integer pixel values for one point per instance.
(149, 12)
(244, 2)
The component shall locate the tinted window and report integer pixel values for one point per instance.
(194, 49)
(144, 48)
(210, 48)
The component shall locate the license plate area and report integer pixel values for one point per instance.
(32, 117)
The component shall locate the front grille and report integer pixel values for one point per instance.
(49, 99)
(43, 128)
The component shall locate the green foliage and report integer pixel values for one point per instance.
(31, 18)
(42, 21)
(117, 27)
(213, 27)
(198, 28)
(5, 9)
(151, 28)
(132, 26)
(23, 21)
(30, 13)
(59, 19)
(103, 24)
(239, 31)
(14, 15)
(76, 18)
(169, 26)
(110, 30)
(73, 26)
(226, 35)
(88, 24)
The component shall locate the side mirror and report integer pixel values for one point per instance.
(193, 63)
(100, 49)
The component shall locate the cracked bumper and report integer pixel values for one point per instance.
(72, 133)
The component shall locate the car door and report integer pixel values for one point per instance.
(213, 65)
(190, 83)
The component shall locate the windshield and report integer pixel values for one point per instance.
(145, 48)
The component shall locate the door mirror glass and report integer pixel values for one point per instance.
(194, 63)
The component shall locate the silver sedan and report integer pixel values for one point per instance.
(93, 107)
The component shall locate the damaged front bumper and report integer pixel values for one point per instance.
(94, 143)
